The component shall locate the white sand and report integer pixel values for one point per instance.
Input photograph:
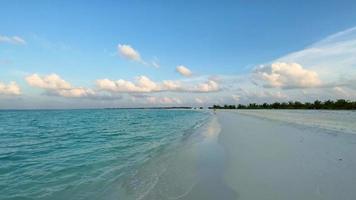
(257, 155)
(276, 159)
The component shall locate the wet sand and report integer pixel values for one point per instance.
(271, 159)
(210, 167)
(192, 171)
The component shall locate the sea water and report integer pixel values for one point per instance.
(96, 154)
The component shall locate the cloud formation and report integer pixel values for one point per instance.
(183, 70)
(324, 70)
(56, 86)
(171, 85)
(207, 86)
(144, 84)
(12, 40)
(73, 92)
(333, 57)
(287, 76)
(52, 81)
(9, 89)
(126, 51)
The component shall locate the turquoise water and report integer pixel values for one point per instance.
(86, 154)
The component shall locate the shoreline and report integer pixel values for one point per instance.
(210, 167)
(241, 156)
(182, 171)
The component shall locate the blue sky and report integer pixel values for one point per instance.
(78, 41)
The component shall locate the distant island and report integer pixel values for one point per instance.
(340, 104)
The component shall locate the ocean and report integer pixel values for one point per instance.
(96, 153)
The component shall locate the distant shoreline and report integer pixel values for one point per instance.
(130, 108)
(340, 104)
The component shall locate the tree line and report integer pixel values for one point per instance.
(340, 104)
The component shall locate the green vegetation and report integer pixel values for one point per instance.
(340, 104)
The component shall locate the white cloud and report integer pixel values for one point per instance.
(208, 86)
(12, 40)
(333, 58)
(323, 70)
(52, 81)
(183, 70)
(56, 86)
(286, 75)
(144, 84)
(9, 89)
(171, 85)
(74, 92)
(128, 52)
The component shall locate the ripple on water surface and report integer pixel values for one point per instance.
(75, 154)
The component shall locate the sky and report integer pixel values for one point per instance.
(95, 54)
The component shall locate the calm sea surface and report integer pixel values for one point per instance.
(84, 154)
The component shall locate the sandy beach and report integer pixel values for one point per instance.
(268, 158)
(263, 154)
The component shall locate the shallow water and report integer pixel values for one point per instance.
(192, 170)
(87, 154)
